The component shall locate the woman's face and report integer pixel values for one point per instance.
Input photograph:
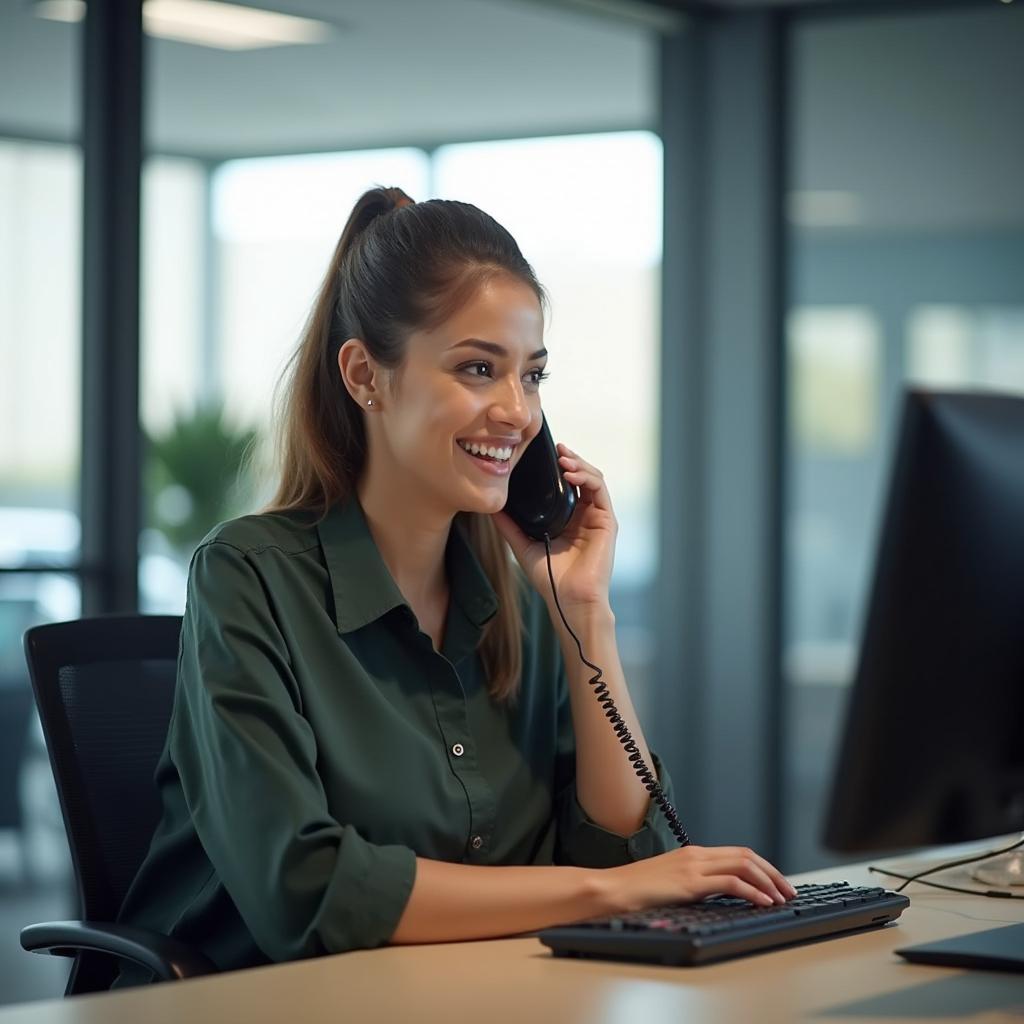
(474, 379)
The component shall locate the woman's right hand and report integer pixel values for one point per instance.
(692, 872)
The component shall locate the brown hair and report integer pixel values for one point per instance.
(399, 266)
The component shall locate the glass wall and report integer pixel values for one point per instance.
(40, 409)
(906, 250)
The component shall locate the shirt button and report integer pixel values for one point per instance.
(476, 842)
(458, 750)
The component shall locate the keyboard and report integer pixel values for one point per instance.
(721, 927)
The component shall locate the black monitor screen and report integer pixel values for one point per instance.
(933, 749)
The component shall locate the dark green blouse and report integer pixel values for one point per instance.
(319, 743)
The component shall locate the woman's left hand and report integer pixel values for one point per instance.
(582, 554)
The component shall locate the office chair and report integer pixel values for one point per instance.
(104, 688)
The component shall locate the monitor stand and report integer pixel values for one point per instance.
(1004, 871)
(996, 949)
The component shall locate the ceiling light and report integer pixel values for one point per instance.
(655, 15)
(207, 23)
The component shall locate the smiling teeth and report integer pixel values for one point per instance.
(501, 454)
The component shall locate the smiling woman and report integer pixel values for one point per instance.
(384, 612)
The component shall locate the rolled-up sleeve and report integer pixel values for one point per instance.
(580, 840)
(304, 883)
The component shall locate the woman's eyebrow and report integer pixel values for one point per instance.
(494, 348)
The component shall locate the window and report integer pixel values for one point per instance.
(906, 243)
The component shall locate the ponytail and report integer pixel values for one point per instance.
(398, 266)
(320, 439)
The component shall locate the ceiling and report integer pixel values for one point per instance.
(395, 72)
(916, 115)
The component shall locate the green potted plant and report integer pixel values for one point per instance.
(198, 474)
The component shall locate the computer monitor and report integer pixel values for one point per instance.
(933, 748)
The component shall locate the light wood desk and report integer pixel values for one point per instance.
(856, 978)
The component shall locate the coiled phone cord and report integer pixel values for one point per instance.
(644, 773)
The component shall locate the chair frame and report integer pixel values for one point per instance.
(47, 649)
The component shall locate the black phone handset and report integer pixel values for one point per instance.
(541, 502)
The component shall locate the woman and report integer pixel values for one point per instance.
(382, 730)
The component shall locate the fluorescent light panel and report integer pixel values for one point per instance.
(639, 13)
(207, 23)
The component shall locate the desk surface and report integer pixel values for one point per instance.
(854, 978)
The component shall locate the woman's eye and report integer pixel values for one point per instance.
(537, 374)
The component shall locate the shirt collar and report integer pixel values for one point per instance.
(363, 586)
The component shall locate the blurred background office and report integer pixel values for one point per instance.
(757, 223)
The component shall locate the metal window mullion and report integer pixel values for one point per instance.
(718, 630)
(112, 161)
(678, 696)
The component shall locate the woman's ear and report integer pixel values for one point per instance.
(358, 370)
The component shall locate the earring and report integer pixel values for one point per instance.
(369, 401)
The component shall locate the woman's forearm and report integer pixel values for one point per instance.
(452, 902)
(607, 787)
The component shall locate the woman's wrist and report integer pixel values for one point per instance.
(583, 618)
(604, 891)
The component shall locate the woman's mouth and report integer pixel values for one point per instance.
(496, 466)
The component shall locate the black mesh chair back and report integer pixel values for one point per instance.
(104, 688)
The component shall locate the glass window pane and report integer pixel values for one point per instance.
(40, 307)
(173, 333)
(952, 346)
(172, 273)
(596, 247)
(40, 436)
(276, 221)
(834, 363)
(232, 257)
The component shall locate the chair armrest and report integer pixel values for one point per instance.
(167, 958)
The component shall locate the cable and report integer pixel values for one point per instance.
(957, 863)
(644, 773)
(995, 893)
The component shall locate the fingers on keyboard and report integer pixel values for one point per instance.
(750, 870)
(733, 886)
(778, 879)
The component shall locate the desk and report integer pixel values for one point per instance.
(856, 978)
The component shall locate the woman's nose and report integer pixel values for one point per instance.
(513, 409)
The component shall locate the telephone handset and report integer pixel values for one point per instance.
(540, 500)
(541, 503)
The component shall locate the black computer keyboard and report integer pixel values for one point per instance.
(725, 926)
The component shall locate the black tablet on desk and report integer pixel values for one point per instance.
(997, 949)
